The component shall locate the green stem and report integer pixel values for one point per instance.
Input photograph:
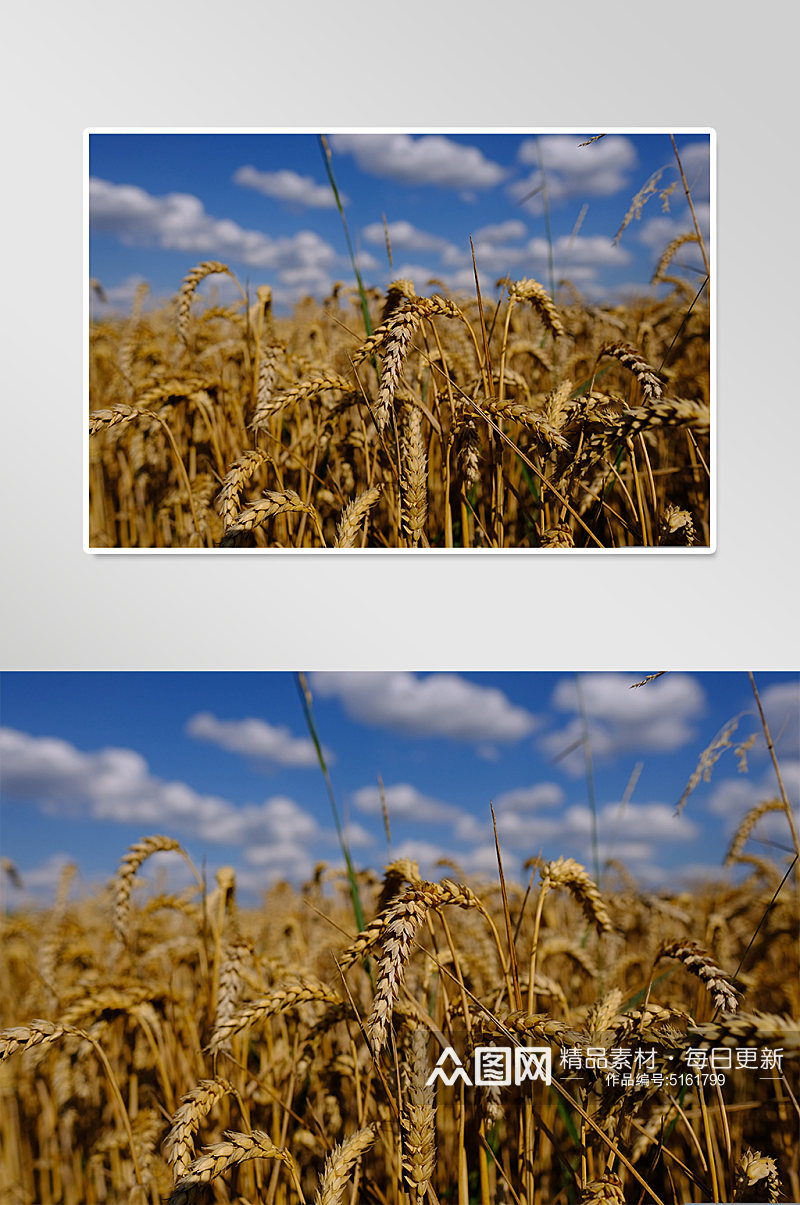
(305, 699)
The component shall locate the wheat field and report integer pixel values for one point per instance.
(408, 419)
(175, 1047)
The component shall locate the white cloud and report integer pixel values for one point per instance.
(521, 799)
(781, 703)
(599, 170)
(480, 861)
(256, 739)
(696, 161)
(116, 785)
(119, 296)
(288, 186)
(658, 231)
(656, 717)
(429, 159)
(39, 883)
(403, 236)
(179, 222)
(404, 802)
(501, 232)
(578, 258)
(733, 798)
(444, 705)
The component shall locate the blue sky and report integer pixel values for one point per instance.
(160, 203)
(92, 762)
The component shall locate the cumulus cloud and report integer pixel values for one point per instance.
(480, 861)
(579, 258)
(638, 837)
(36, 884)
(179, 222)
(571, 170)
(781, 703)
(116, 785)
(655, 718)
(119, 296)
(696, 160)
(658, 231)
(404, 802)
(501, 232)
(300, 191)
(444, 705)
(733, 798)
(255, 739)
(404, 237)
(521, 799)
(429, 159)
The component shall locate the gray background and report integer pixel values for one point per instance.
(414, 65)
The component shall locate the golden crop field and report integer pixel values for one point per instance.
(162, 1047)
(408, 419)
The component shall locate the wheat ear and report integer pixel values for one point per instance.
(195, 1105)
(418, 1119)
(123, 881)
(190, 283)
(401, 923)
(217, 1159)
(699, 962)
(566, 872)
(605, 1191)
(413, 480)
(753, 1169)
(353, 516)
(339, 1164)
